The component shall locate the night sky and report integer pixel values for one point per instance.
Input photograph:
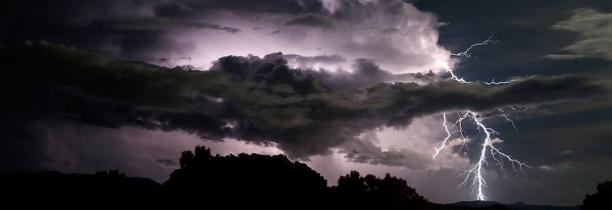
(338, 84)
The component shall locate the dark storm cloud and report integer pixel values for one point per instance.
(254, 99)
(367, 73)
(59, 95)
(133, 29)
(395, 34)
(364, 150)
(182, 8)
(157, 24)
(127, 29)
(311, 20)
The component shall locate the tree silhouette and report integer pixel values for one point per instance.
(250, 181)
(258, 181)
(600, 200)
(371, 192)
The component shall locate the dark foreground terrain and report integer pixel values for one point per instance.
(204, 181)
(514, 206)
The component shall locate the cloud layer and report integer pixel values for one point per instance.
(594, 29)
(260, 100)
(393, 33)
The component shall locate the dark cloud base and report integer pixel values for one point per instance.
(254, 99)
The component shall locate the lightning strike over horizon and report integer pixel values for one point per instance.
(487, 147)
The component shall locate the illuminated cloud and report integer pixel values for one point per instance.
(261, 100)
(393, 33)
(594, 40)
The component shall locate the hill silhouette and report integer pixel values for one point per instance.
(27, 190)
(244, 181)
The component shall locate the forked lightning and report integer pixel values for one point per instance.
(476, 173)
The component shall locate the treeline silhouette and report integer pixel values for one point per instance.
(206, 181)
(600, 200)
(262, 181)
(245, 181)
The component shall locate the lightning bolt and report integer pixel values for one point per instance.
(506, 117)
(448, 136)
(467, 53)
(493, 82)
(476, 173)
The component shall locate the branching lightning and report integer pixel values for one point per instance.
(467, 53)
(448, 136)
(506, 117)
(476, 173)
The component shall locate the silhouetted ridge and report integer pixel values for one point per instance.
(76, 191)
